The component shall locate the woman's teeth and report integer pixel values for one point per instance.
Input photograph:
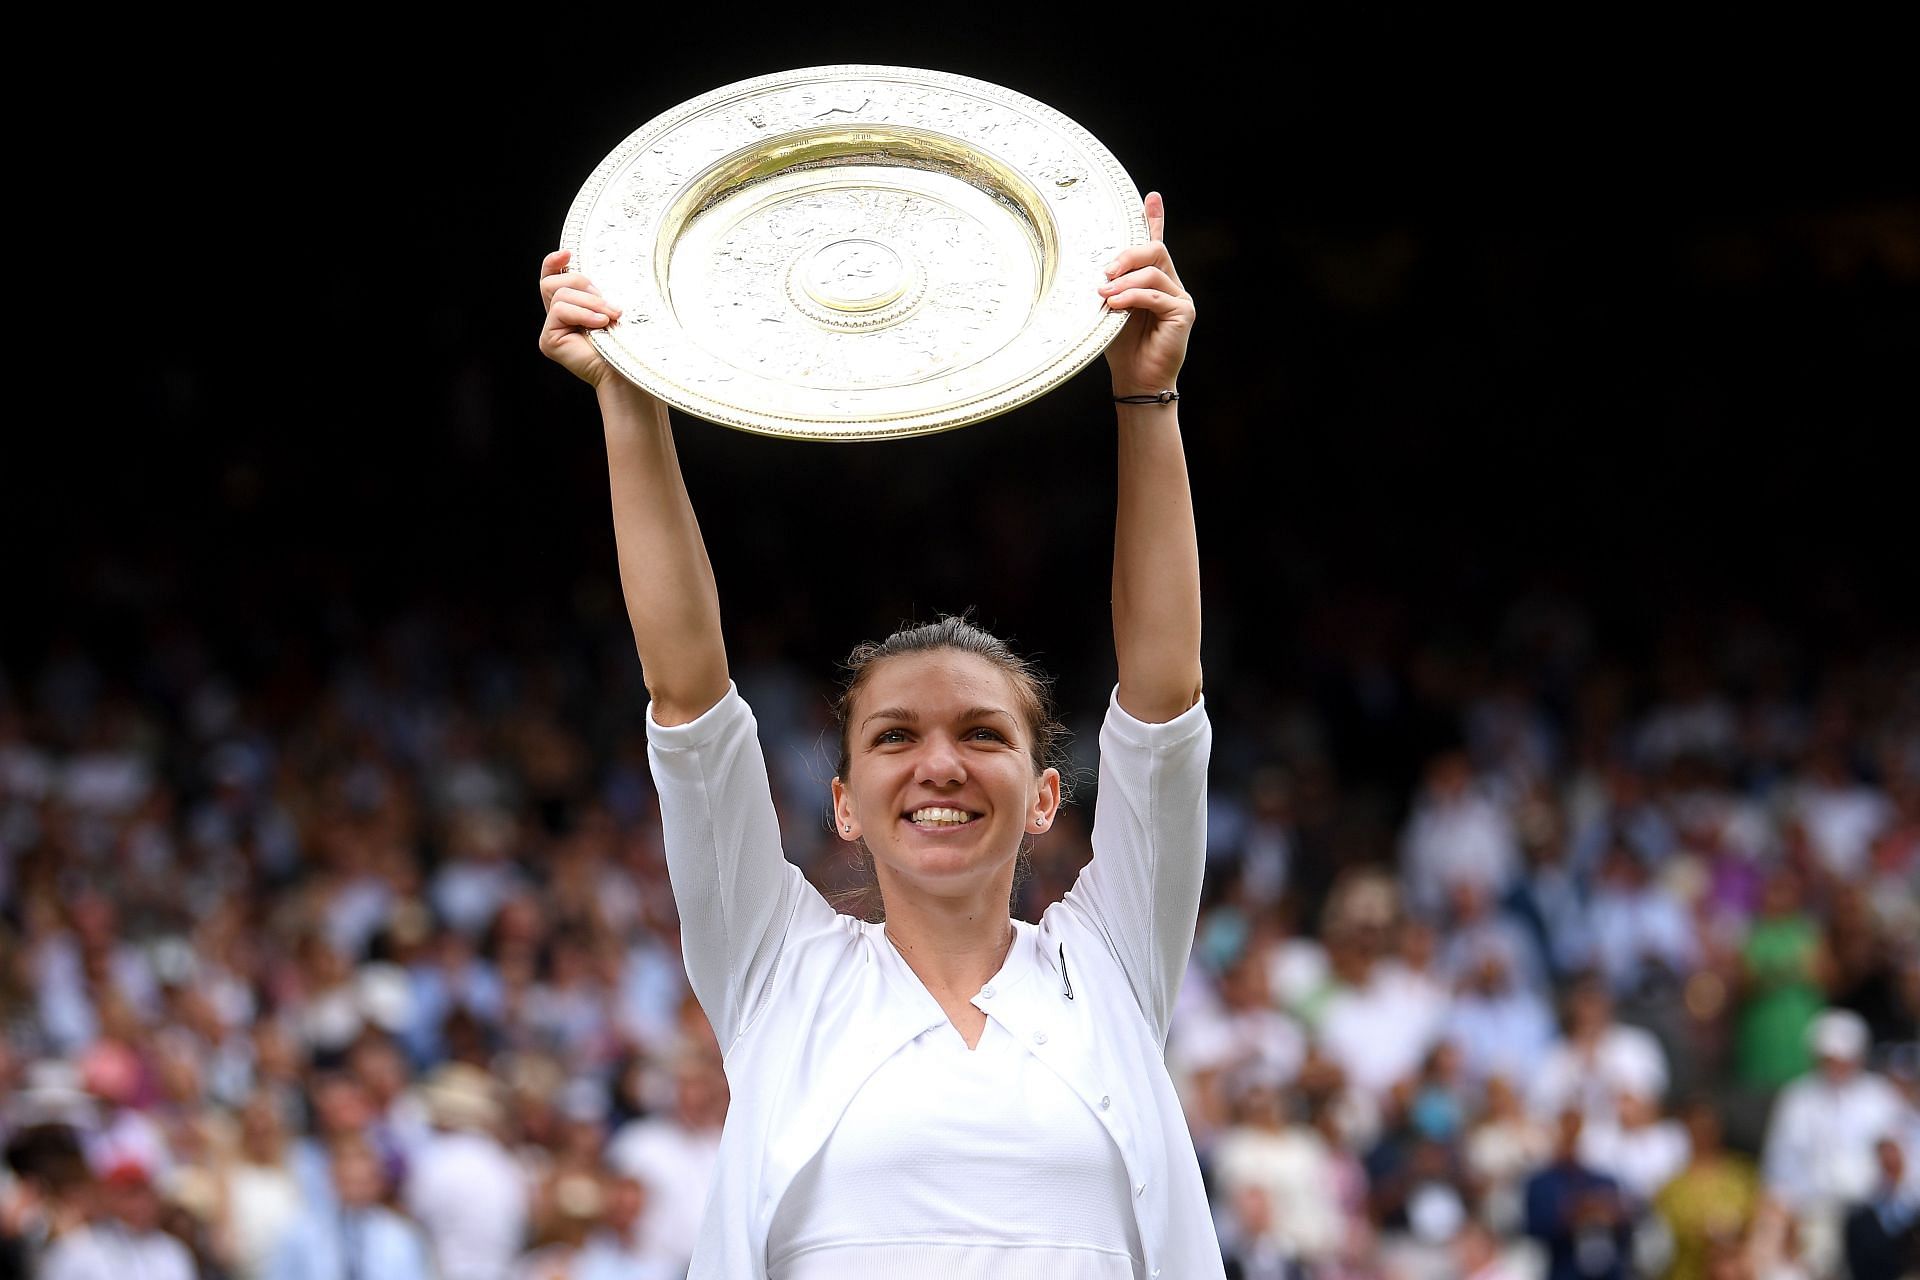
(936, 817)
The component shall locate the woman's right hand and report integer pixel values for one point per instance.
(573, 307)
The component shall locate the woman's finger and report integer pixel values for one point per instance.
(586, 298)
(1151, 254)
(1144, 278)
(552, 285)
(1156, 216)
(1162, 304)
(553, 264)
(1135, 256)
(571, 315)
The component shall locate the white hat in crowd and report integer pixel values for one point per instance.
(1839, 1033)
(462, 1096)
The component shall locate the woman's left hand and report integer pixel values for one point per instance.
(1146, 357)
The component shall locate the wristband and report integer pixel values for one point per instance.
(1164, 397)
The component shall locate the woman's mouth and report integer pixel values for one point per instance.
(939, 817)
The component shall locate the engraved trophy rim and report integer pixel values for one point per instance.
(1063, 194)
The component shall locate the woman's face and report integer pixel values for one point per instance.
(941, 783)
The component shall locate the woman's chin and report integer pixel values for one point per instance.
(945, 864)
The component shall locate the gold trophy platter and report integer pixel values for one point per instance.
(854, 252)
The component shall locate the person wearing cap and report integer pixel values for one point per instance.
(1819, 1152)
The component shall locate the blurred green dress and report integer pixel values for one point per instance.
(1771, 1043)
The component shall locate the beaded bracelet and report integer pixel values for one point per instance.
(1164, 397)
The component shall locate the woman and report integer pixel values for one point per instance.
(952, 1092)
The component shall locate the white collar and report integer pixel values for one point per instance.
(1020, 964)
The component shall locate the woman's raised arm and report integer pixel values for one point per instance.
(664, 571)
(1156, 557)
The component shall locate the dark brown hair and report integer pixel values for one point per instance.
(1032, 696)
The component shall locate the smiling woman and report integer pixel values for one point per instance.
(953, 680)
(951, 1093)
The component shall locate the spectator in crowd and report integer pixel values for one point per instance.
(1288, 1166)
(357, 1237)
(1505, 1144)
(618, 1249)
(338, 1110)
(464, 1187)
(1841, 815)
(45, 1186)
(1775, 1249)
(1500, 1027)
(1384, 1014)
(1596, 1060)
(122, 1237)
(1478, 1256)
(1883, 1228)
(1251, 1246)
(1784, 969)
(1239, 1036)
(1641, 1149)
(1869, 970)
(1578, 1213)
(398, 1121)
(574, 1205)
(1643, 936)
(260, 1197)
(1548, 899)
(673, 1154)
(1707, 1205)
(1457, 835)
(1476, 928)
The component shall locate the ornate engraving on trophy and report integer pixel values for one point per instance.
(854, 252)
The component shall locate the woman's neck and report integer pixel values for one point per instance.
(953, 953)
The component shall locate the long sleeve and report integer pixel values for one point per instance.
(1142, 889)
(734, 888)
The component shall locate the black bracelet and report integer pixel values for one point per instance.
(1164, 397)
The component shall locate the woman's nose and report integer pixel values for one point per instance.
(941, 762)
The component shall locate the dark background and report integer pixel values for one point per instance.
(1617, 315)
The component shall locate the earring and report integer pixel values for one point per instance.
(846, 826)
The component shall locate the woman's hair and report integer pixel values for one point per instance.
(1032, 696)
(1033, 703)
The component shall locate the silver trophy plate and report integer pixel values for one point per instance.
(854, 252)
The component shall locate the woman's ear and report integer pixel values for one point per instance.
(1046, 803)
(845, 824)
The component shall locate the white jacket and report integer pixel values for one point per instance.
(805, 1014)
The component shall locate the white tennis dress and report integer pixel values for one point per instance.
(1023, 1184)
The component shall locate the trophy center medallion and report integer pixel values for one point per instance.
(854, 275)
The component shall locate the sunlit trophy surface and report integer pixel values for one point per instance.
(854, 252)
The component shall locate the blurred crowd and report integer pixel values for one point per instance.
(370, 969)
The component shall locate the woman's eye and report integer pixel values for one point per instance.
(890, 735)
(988, 735)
